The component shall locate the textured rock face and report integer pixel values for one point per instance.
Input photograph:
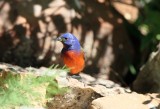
(90, 93)
(80, 95)
(76, 97)
(125, 101)
(149, 76)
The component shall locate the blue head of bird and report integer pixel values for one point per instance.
(70, 42)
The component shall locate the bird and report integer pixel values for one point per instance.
(72, 54)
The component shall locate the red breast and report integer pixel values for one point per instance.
(74, 61)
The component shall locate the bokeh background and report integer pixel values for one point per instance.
(116, 35)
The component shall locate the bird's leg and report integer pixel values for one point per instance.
(75, 76)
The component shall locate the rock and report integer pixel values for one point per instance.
(80, 95)
(125, 101)
(149, 76)
(89, 93)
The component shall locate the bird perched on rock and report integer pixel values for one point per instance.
(72, 54)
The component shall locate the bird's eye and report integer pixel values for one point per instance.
(66, 38)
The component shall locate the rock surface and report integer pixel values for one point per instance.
(80, 94)
(125, 101)
(149, 76)
(90, 93)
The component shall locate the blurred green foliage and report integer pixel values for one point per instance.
(149, 23)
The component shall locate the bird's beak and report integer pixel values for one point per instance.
(59, 39)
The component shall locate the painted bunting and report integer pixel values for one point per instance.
(72, 54)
